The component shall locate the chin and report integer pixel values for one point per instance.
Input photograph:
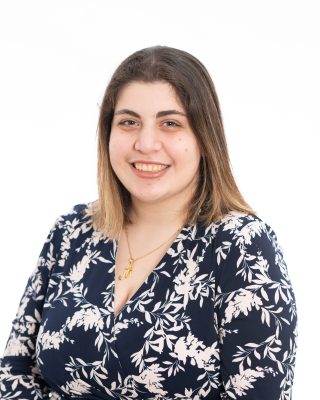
(149, 198)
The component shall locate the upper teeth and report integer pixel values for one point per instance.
(149, 167)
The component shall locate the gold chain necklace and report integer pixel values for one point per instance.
(129, 268)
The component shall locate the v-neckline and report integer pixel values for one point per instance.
(144, 283)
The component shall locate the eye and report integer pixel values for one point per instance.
(171, 124)
(127, 122)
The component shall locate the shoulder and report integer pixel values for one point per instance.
(76, 218)
(235, 228)
(73, 224)
(77, 213)
(243, 228)
(240, 234)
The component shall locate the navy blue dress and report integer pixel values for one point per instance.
(216, 318)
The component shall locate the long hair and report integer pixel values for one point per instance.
(217, 192)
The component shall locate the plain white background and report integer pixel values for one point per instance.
(58, 56)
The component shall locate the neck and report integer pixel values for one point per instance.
(159, 215)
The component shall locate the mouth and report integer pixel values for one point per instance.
(149, 167)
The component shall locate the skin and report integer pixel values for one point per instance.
(140, 132)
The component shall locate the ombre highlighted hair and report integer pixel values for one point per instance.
(217, 192)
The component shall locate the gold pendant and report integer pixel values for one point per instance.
(128, 271)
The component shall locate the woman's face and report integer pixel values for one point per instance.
(153, 150)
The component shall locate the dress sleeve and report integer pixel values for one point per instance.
(255, 312)
(20, 377)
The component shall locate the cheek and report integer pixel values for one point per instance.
(188, 145)
(115, 157)
(117, 147)
(112, 152)
(191, 151)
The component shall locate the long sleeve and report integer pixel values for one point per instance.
(20, 377)
(255, 312)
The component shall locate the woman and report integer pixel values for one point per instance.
(169, 286)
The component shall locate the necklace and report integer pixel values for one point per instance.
(130, 265)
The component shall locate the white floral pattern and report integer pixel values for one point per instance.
(216, 319)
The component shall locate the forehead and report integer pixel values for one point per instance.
(148, 96)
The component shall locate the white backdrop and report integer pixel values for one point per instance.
(56, 59)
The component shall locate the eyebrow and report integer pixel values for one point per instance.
(158, 115)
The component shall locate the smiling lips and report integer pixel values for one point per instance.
(149, 167)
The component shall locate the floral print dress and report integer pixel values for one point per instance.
(216, 319)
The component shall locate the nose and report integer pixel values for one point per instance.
(147, 140)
